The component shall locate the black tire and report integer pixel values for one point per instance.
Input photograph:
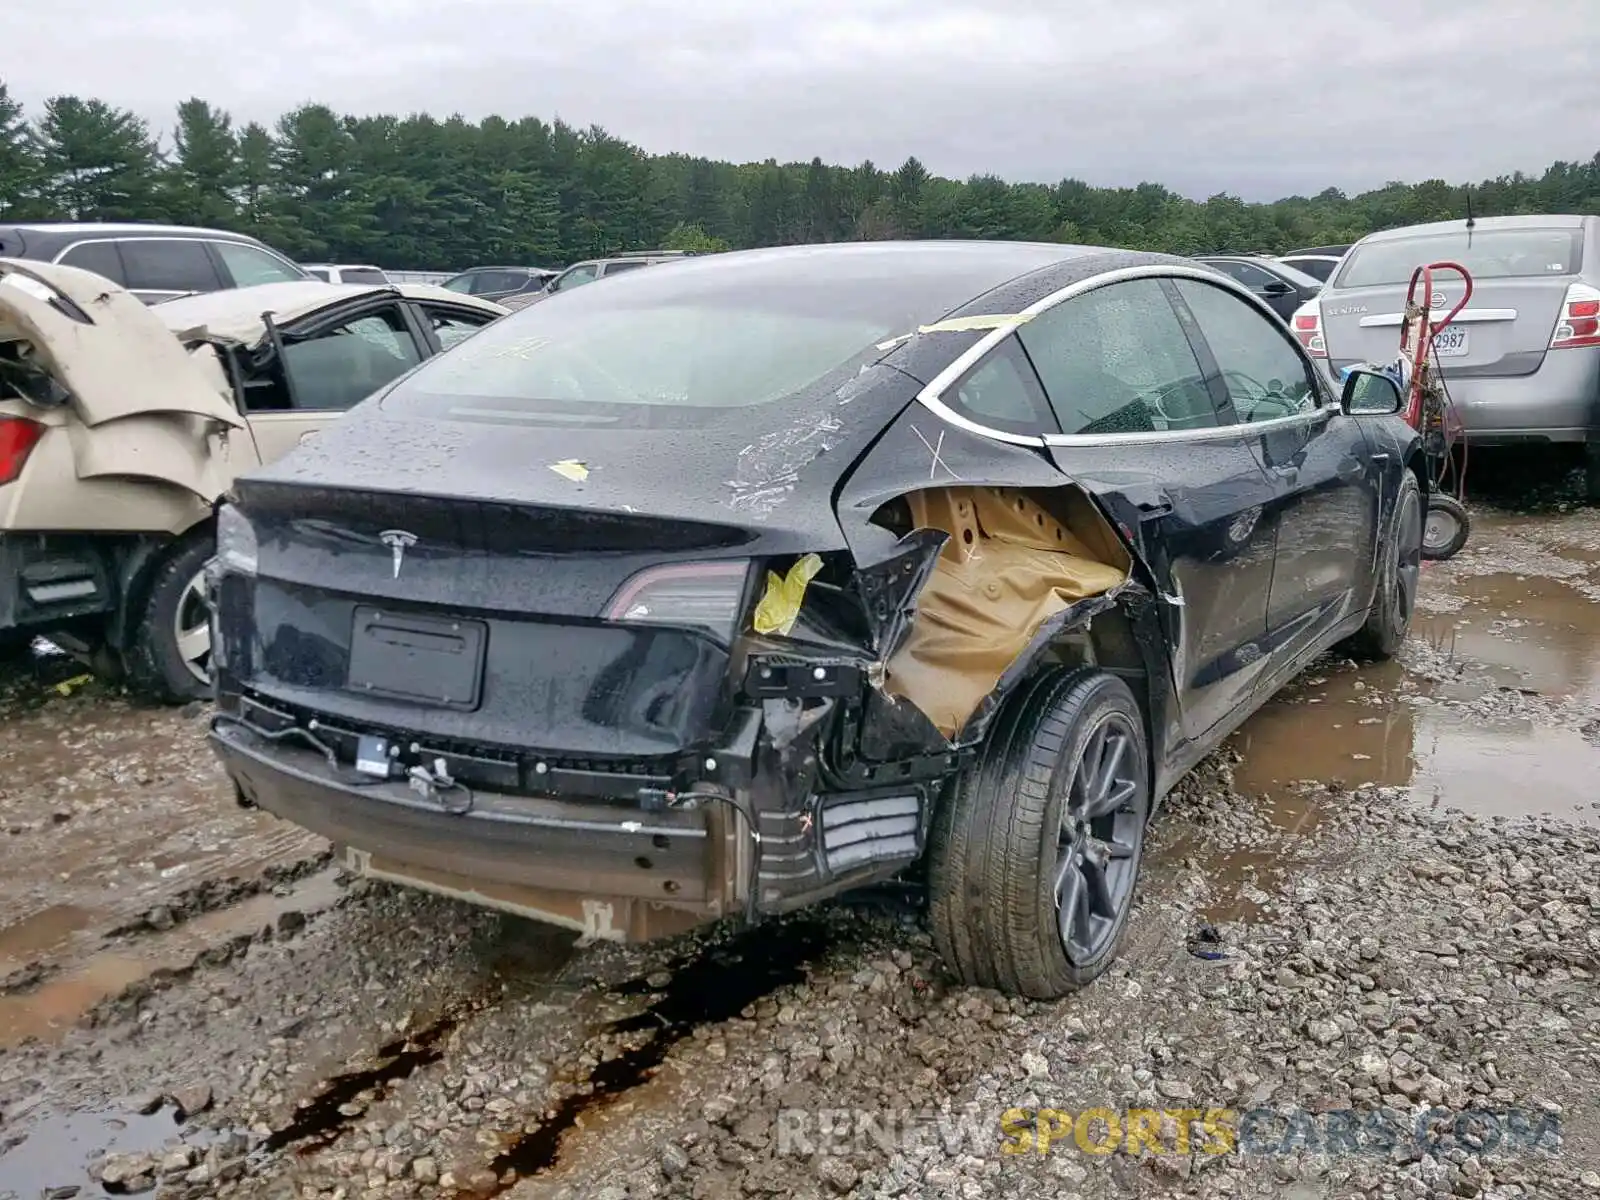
(156, 667)
(1394, 600)
(1001, 836)
(1443, 538)
(1591, 472)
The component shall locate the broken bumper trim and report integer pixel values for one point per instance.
(584, 849)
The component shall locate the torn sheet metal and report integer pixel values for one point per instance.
(780, 603)
(108, 350)
(1008, 567)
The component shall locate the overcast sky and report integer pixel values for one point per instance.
(1262, 98)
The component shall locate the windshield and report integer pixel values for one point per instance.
(1490, 254)
(695, 341)
(460, 283)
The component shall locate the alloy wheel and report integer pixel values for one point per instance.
(1097, 849)
(1410, 535)
(191, 628)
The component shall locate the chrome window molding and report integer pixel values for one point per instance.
(931, 396)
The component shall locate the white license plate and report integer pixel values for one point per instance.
(1450, 343)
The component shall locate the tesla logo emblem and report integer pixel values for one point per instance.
(398, 540)
(1439, 300)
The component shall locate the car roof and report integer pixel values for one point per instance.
(1479, 225)
(236, 314)
(344, 266)
(121, 228)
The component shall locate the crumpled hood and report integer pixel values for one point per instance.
(112, 354)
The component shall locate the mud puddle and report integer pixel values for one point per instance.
(61, 1000)
(53, 1158)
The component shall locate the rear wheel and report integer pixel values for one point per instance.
(169, 658)
(1591, 473)
(1399, 575)
(1445, 528)
(1036, 850)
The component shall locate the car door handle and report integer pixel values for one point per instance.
(1150, 510)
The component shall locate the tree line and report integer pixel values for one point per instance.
(423, 193)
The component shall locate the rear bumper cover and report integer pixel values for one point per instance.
(605, 866)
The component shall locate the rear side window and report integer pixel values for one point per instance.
(1318, 268)
(250, 265)
(1116, 360)
(613, 268)
(490, 283)
(1486, 254)
(100, 257)
(168, 265)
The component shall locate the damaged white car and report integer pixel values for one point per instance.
(121, 425)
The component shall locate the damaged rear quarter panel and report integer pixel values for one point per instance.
(957, 632)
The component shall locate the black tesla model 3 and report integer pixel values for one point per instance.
(724, 589)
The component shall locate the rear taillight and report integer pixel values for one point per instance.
(706, 595)
(18, 437)
(1579, 322)
(1307, 326)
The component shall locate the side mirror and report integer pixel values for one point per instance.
(1369, 393)
(1276, 288)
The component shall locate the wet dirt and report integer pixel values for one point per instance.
(709, 987)
(56, 1004)
(112, 816)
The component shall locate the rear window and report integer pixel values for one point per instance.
(1486, 254)
(668, 340)
(361, 275)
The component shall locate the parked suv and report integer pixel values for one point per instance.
(154, 262)
(591, 269)
(120, 425)
(1521, 361)
(496, 283)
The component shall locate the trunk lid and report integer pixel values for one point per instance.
(112, 356)
(1504, 330)
(527, 534)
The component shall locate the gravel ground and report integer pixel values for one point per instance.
(1338, 985)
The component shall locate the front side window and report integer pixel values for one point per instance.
(576, 277)
(1265, 375)
(100, 257)
(1253, 277)
(451, 327)
(251, 265)
(1116, 360)
(168, 265)
(343, 366)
